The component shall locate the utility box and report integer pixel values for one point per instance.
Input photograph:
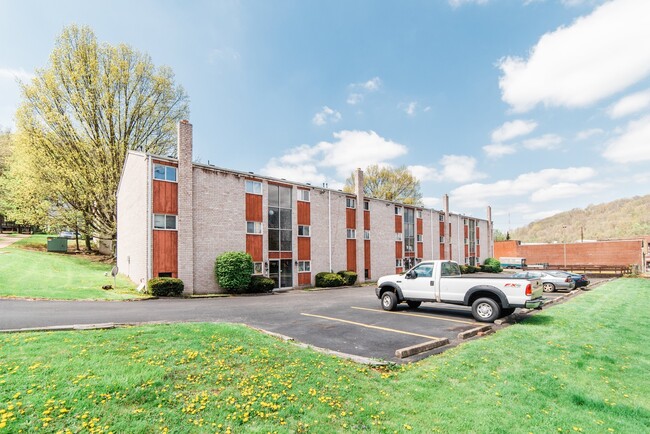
(57, 244)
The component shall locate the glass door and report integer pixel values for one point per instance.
(281, 271)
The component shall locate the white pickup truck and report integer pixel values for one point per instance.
(440, 281)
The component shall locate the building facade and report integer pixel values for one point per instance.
(174, 217)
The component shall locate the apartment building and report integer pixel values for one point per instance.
(174, 217)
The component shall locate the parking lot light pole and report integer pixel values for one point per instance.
(564, 244)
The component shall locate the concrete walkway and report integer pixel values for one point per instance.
(6, 240)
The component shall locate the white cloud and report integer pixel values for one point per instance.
(326, 115)
(498, 150)
(349, 150)
(632, 145)
(354, 98)
(409, 108)
(564, 190)
(430, 202)
(547, 141)
(478, 194)
(630, 104)
(458, 3)
(359, 90)
(13, 74)
(585, 134)
(595, 57)
(371, 85)
(541, 214)
(512, 129)
(454, 168)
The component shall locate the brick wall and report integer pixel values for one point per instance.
(186, 212)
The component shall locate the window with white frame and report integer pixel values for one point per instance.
(398, 210)
(398, 263)
(253, 228)
(466, 240)
(366, 205)
(164, 221)
(304, 231)
(418, 213)
(442, 239)
(477, 241)
(441, 217)
(253, 187)
(366, 234)
(304, 266)
(350, 202)
(257, 267)
(303, 195)
(419, 238)
(351, 234)
(398, 236)
(164, 173)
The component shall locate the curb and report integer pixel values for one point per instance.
(420, 348)
(475, 331)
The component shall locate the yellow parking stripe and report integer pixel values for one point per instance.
(416, 314)
(369, 326)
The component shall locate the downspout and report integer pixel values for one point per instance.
(149, 219)
(329, 224)
(431, 224)
(459, 238)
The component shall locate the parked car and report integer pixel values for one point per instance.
(550, 283)
(66, 234)
(579, 279)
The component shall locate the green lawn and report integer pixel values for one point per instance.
(29, 273)
(581, 366)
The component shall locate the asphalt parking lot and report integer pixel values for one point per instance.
(345, 320)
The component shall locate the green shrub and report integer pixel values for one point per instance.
(468, 269)
(328, 280)
(491, 265)
(260, 284)
(233, 271)
(350, 277)
(165, 287)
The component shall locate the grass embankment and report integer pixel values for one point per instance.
(578, 367)
(27, 272)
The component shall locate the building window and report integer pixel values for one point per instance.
(350, 203)
(280, 218)
(477, 241)
(409, 229)
(418, 214)
(441, 217)
(398, 236)
(442, 239)
(366, 205)
(303, 195)
(466, 240)
(257, 268)
(398, 263)
(366, 234)
(163, 221)
(164, 173)
(398, 210)
(351, 234)
(419, 238)
(303, 231)
(253, 187)
(165, 274)
(304, 266)
(253, 227)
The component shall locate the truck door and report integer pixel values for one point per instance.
(418, 282)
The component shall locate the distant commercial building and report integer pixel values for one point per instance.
(174, 217)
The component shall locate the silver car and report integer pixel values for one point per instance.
(550, 282)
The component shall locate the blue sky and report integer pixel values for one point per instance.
(530, 106)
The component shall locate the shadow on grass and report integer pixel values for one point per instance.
(539, 319)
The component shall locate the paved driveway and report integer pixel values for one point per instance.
(347, 320)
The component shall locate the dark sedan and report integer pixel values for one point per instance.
(579, 279)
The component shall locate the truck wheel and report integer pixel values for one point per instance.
(549, 287)
(388, 300)
(414, 304)
(486, 310)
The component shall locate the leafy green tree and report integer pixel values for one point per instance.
(394, 184)
(498, 235)
(79, 117)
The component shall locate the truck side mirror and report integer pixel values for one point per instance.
(410, 275)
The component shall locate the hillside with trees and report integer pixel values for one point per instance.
(623, 218)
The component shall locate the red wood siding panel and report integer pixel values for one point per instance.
(420, 250)
(165, 252)
(165, 163)
(304, 248)
(350, 218)
(442, 229)
(254, 246)
(466, 251)
(366, 252)
(280, 255)
(466, 231)
(398, 223)
(409, 254)
(366, 220)
(304, 213)
(478, 251)
(399, 270)
(253, 207)
(304, 279)
(419, 230)
(442, 251)
(399, 249)
(165, 197)
(352, 255)
(478, 232)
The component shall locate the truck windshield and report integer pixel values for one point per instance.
(449, 269)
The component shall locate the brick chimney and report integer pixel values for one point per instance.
(185, 207)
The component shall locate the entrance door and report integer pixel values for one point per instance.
(281, 271)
